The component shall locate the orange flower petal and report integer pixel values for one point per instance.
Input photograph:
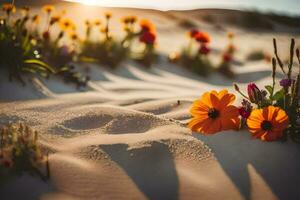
(205, 98)
(230, 123)
(275, 115)
(227, 99)
(199, 108)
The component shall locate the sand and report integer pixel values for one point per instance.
(125, 135)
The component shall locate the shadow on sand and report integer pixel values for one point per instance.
(277, 162)
(152, 169)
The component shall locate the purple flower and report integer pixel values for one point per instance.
(285, 83)
(244, 113)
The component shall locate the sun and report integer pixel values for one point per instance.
(86, 2)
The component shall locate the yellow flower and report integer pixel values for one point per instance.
(73, 36)
(129, 19)
(25, 10)
(48, 8)
(108, 15)
(35, 19)
(87, 22)
(97, 22)
(230, 35)
(67, 24)
(55, 19)
(214, 112)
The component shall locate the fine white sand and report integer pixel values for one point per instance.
(125, 136)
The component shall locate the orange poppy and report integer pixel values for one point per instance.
(214, 112)
(268, 123)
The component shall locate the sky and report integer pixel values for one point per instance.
(283, 6)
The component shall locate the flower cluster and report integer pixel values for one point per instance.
(28, 44)
(18, 48)
(110, 51)
(195, 55)
(268, 114)
(227, 57)
(20, 153)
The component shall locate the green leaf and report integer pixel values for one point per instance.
(39, 63)
(278, 95)
(88, 59)
(269, 88)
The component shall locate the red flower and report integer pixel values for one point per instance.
(46, 35)
(148, 37)
(227, 57)
(204, 49)
(202, 37)
(193, 33)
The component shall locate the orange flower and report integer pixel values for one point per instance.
(147, 26)
(202, 37)
(268, 123)
(8, 8)
(48, 8)
(192, 33)
(214, 112)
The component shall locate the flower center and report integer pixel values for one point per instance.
(266, 125)
(213, 113)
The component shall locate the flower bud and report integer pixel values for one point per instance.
(244, 113)
(255, 95)
(227, 58)
(285, 83)
(46, 35)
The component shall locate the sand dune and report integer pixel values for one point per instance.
(134, 145)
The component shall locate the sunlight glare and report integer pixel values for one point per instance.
(87, 2)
